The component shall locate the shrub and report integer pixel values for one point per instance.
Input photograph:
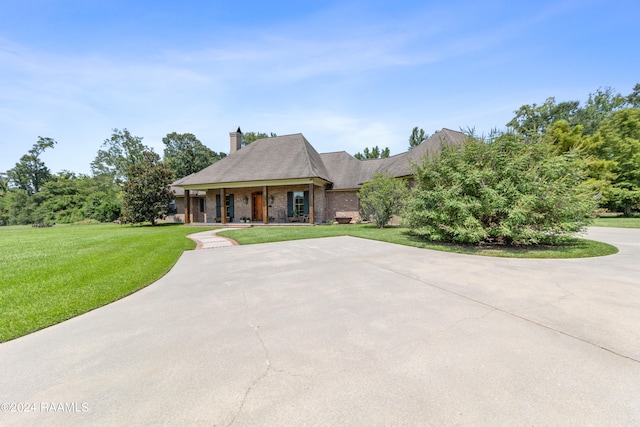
(382, 197)
(506, 191)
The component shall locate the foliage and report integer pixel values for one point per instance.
(533, 119)
(418, 136)
(52, 274)
(382, 197)
(600, 105)
(374, 153)
(510, 191)
(30, 173)
(249, 137)
(184, 154)
(146, 193)
(633, 99)
(620, 135)
(117, 154)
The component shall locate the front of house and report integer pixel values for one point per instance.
(284, 179)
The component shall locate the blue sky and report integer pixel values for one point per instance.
(346, 74)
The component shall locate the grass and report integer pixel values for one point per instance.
(52, 274)
(618, 222)
(574, 248)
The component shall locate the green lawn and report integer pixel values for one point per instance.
(575, 248)
(52, 274)
(618, 222)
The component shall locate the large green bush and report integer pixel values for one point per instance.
(505, 191)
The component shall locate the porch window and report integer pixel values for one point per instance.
(203, 205)
(229, 208)
(297, 203)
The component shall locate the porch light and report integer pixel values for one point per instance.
(245, 200)
(270, 200)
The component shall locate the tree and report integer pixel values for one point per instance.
(599, 106)
(146, 194)
(374, 153)
(249, 137)
(117, 154)
(620, 135)
(633, 99)
(184, 154)
(30, 173)
(510, 191)
(382, 197)
(418, 136)
(533, 119)
(64, 197)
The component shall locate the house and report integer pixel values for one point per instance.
(284, 179)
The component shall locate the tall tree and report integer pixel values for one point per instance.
(418, 136)
(374, 153)
(30, 173)
(117, 154)
(600, 105)
(621, 143)
(633, 99)
(146, 194)
(184, 154)
(249, 137)
(533, 119)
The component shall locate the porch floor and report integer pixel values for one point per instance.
(252, 224)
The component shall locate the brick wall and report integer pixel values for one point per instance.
(343, 203)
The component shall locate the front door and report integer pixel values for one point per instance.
(256, 207)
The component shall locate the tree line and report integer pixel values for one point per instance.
(129, 181)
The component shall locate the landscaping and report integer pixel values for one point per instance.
(573, 248)
(52, 274)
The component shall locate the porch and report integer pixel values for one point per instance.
(287, 204)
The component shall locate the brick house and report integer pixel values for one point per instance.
(284, 179)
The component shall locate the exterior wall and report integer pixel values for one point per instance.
(343, 203)
(194, 209)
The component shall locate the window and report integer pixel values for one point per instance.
(203, 205)
(229, 206)
(298, 202)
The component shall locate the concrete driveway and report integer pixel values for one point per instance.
(344, 331)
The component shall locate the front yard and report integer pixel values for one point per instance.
(52, 274)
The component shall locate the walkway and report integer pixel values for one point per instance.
(211, 240)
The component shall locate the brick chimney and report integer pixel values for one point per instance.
(236, 140)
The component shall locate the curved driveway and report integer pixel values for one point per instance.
(344, 331)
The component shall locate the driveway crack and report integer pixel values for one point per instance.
(256, 329)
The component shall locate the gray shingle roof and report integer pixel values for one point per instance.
(291, 156)
(281, 157)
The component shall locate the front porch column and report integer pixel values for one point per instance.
(187, 204)
(223, 207)
(311, 203)
(265, 205)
